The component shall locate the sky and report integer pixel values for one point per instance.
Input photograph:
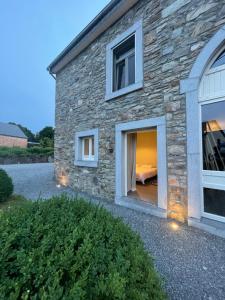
(33, 33)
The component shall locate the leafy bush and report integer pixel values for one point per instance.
(6, 186)
(64, 249)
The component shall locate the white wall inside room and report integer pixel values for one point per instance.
(146, 151)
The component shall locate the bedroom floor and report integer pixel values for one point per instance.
(146, 192)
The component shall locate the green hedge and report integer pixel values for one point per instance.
(6, 186)
(25, 152)
(64, 249)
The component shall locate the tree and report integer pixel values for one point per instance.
(46, 132)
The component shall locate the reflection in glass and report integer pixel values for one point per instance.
(121, 75)
(124, 64)
(214, 202)
(131, 68)
(213, 136)
(219, 61)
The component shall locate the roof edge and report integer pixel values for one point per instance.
(108, 16)
(14, 136)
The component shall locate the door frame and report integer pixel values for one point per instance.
(121, 130)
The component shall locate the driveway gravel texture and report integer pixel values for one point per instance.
(191, 262)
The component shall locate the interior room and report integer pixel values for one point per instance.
(142, 183)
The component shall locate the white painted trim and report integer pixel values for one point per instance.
(121, 130)
(208, 228)
(79, 161)
(141, 206)
(138, 31)
(213, 217)
(190, 86)
(88, 157)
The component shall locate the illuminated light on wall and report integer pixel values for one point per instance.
(63, 179)
(58, 186)
(174, 226)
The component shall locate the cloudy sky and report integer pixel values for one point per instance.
(32, 35)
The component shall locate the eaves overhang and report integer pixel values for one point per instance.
(106, 18)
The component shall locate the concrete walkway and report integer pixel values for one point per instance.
(191, 262)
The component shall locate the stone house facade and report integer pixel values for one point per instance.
(179, 39)
(12, 136)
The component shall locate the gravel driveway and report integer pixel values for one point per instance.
(191, 262)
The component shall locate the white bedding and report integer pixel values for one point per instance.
(144, 172)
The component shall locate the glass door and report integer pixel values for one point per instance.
(213, 160)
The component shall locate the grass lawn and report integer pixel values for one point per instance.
(14, 200)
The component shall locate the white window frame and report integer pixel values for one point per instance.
(89, 156)
(81, 159)
(136, 30)
(209, 173)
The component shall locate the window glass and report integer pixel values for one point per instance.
(124, 47)
(214, 202)
(86, 147)
(93, 147)
(213, 136)
(219, 61)
(124, 64)
(131, 68)
(120, 74)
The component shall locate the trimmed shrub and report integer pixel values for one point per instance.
(6, 186)
(71, 249)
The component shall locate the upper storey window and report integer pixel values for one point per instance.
(124, 63)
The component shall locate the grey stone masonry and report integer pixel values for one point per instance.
(174, 33)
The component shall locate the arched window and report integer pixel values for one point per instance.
(212, 108)
(220, 61)
(213, 81)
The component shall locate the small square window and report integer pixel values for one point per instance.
(86, 148)
(124, 63)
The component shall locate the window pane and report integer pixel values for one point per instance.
(120, 75)
(86, 147)
(214, 202)
(213, 136)
(93, 147)
(121, 62)
(219, 61)
(125, 47)
(131, 69)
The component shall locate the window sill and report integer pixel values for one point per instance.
(124, 91)
(86, 163)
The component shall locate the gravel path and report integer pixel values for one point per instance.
(191, 262)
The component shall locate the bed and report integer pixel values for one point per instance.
(144, 172)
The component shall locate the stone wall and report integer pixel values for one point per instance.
(174, 34)
(8, 141)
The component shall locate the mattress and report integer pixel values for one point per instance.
(144, 172)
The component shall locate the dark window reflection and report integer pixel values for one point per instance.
(219, 61)
(214, 202)
(213, 136)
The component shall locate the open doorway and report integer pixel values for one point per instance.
(141, 165)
